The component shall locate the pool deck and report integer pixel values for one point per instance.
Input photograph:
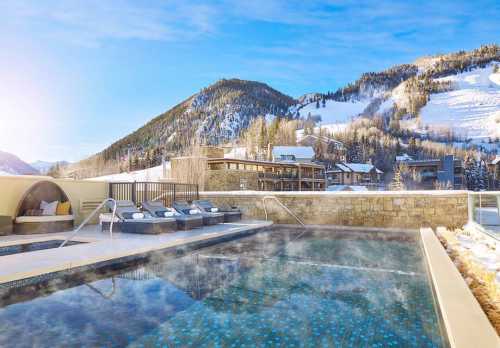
(102, 247)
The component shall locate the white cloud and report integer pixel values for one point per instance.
(93, 21)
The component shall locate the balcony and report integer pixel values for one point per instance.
(290, 176)
(272, 176)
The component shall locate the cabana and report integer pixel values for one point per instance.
(30, 217)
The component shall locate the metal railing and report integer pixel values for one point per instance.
(279, 176)
(283, 206)
(139, 192)
(86, 221)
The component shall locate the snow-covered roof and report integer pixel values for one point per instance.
(343, 167)
(357, 167)
(404, 157)
(360, 167)
(322, 138)
(297, 151)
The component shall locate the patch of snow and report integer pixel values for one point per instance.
(403, 158)
(269, 118)
(472, 110)
(386, 105)
(335, 112)
(237, 153)
(150, 174)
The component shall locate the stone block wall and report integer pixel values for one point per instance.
(405, 209)
(230, 180)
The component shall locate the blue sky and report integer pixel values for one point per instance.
(77, 75)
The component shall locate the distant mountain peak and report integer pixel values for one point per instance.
(217, 113)
(44, 166)
(11, 164)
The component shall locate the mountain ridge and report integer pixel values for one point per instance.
(221, 111)
(12, 165)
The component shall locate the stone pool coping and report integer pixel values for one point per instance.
(465, 322)
(103, 249)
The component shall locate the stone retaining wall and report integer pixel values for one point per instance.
(227, 179)
(406, 209)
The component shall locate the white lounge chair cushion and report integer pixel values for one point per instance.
(137, 216)
(53, 218)
(107, 218)
(214, 210)
(168, 214)
(194, 211)
(49, 209)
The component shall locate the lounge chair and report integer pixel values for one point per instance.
(184, 222)
(190, 209)
(132, 220)
(230, 215)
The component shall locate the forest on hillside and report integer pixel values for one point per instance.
(239, 111)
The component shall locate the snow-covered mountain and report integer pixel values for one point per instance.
(13, 165)
(44, 166)
(457, 94)
(216, 114)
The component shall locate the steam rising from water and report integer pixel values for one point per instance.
(325, 288)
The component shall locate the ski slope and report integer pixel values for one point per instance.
(471, 110)
(335, 116)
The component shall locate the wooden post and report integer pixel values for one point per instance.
(133, 193)
(300, 178)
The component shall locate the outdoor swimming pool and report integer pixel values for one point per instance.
(280, 287)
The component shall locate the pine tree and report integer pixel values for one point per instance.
(397, 182)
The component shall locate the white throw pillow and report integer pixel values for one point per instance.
(169, 214)
(194, 211)
(173, 211)
(49, 209)
(137, 216)
(214, 210)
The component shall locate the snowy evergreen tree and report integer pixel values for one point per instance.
(397, 182)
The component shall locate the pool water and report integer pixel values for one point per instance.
(27, 247)
(277, 288)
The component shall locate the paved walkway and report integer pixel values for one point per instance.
(101, 247)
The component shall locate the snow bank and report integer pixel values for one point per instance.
(150, 174)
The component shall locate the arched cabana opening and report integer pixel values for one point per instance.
(29, 219)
